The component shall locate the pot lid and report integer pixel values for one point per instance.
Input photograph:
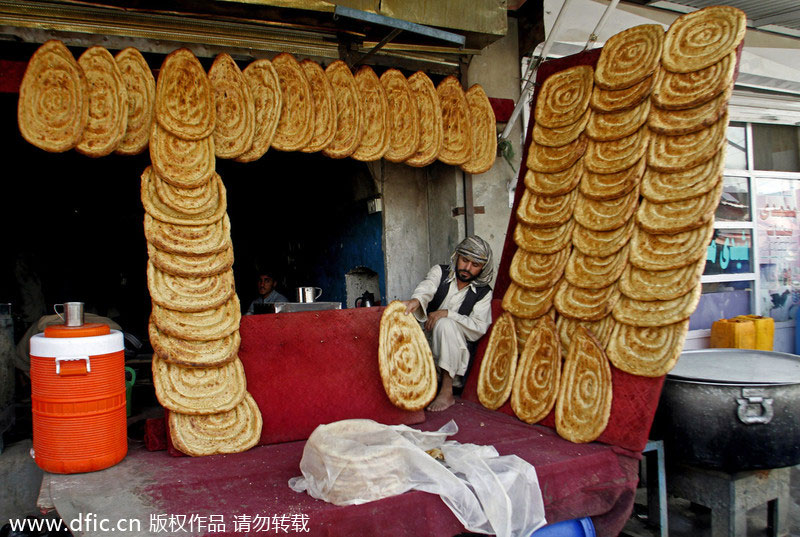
(737, 366)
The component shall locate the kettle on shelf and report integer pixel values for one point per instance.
(365, 301)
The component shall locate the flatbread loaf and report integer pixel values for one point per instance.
(554, 184)
(607, 126)
(583, 406)
(53, 106)
(185, 206)
(536, 383)
(191, 265)
(675, 122)
(650, 351)
(406, 364)
(603, 100)
(527, 304)
(188, 240)
(663, 187)
(666, 252)
(184, 98)
(199, 390)
(641, 284)
(215, 323)
(600, 329)
(680, 91)
(499, 364)
(601, 243)
(296, 122)
(431, 131)
(629, 57)
(404, 127)
(324, 106)
(108, 103)
(701, 38)
(456, 123)
(524, 327)
(192, 294)
(542, 158)
(606, 215)
(585, 304)
(537, 271)
(564, 97)
(375, 116)
(561, 135)
(235, 108)
(543, 240)
(657, 312)
(616, 155)
(609, 186)
(678, 153)
(262, 79)
(140, 86)
(677, 216)
(349, 128)
(484, 131)
(233, 431)
(183, 163)
(546, 211)
(595, 272)
(209, 353)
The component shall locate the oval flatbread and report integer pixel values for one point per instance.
(431, 132)
(324, 106)
(680, 91)
(641, 284)
(609, 186)
(524, 327)
(234, 431)
(649, 351)
(600, 329)
(561, 135)
(675, 122)
(180, 162)
(678, 153)
(209, 353)
(108, 103)
(210, 324)
(235, 108)
(188, 240)
(564, 97)
(595, 272)
(499, 364)
(601, 243)
(607, 126)
(583, 406)
(677, 216)
(657, 312)
(456, 123)
(406, 364)
(198, 390)
(701, 38)
(542, 158)
(544, 240)
(664, 252)
(404, 124)
(537, 271)
(141, 89)
(195, 206)
(348, 111)
(262, 79)
(191, 265)
(53, 106)
(603, 100)
(546, 211)
(663, 187)
(193, 294)
(616, 155)
(629, 57)
(535, 387)
(375, 116)
(606, 215)
(296, 122)
(184, 98)
(484, 132)
(526, 303)
(556, 183)
(585, 304)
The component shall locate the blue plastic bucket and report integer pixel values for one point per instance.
(577, 527)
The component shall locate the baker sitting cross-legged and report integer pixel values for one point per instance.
(454, 303)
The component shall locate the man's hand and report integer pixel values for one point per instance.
(411, 305)
(433, 317)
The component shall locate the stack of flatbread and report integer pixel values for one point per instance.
(194, 325)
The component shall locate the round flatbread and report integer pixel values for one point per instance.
(600, 329)
(629, 57)
(188, 240)
(53, 106)
(537, 271)
(678, 153)
(641, 284)
(601, 243)
(677, 216)
(701, 38)
(595, 272)
(209, 353)
(680, 91)
(184, 98)
(649, 351)
(456, 123)
(526, 303)
(561, 135)
(536, 383)
(499, 364)
(606, 215)
(431, 131)
(349, 128)
(198, 390)
(484, 132)
(543, 240)
(564, 97)
(180, 162)
(262, 79)
(603, 100)
(296, 122)
(191, 266)
(583, 406)
(194, 294)
(546, 211)
(657, 312)
(141, 89)
(607, 126)
(324, 106)
(554, 184)
(406, 364)
(663, 187)
(108, 103)
(609, 186)
(542, 158)
(233, 431)
(185, 206)
(211, 324)
(375, 116)
(676, 122)
(585, 304)
(404, 124)
(664, 252)
(616, 155)
(235, 109)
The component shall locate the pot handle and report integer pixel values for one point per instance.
(754, 397)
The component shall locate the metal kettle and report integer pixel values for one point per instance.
(365, 301)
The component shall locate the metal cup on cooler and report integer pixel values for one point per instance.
(72, 313)
(308, 294)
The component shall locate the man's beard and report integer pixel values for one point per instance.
(465, 276)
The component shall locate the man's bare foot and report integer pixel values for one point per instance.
(443, 401)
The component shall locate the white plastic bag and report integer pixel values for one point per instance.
(356, 461)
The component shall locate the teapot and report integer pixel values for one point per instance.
(365, 301)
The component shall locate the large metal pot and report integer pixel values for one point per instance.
(732, 409)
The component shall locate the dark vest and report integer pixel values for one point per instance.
(469, 301)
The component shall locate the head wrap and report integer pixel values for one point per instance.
(477, 250)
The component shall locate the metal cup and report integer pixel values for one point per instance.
(72, 313)
(308, 294)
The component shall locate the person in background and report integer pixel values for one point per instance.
(266, 293)
(454, 303)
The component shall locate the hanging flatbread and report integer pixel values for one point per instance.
(53, 106)
(641, 284)
(296, 122)
(601, 243)
(141, 89)
(191, 294)
(183, 163)
(191, 266)
(209, 353)
(680, 91)
(663, 187)
(657, 312)
(484, 132)
(198, 390)
(406, 364)
(456, 123)
(235, 108)
(348, 111)
(233, 431)
(677, 216)
(650, 351)
(583, 406)
(616, 155)
(211, 324)
(666, 252)
(431, 132)
(675, 122)
(537, 271)
(629, 57)
(375, 116)
(606, 215)
(554, 184)
(538, 373)
(324, 106)
(262, 79)
(607, 126)
(679, 153)
(561, 135)
(185, 206)
(564, 97)
(701, 38)
(542, 158)
(585, 304)
(546, 211)
(545, 240)
(499, 364)
(184, 98)
(404, 124)
(595, 272)
(108, 103)
(526, 303)
(615, 100)
(188, 240)
(609, 186)
(600, 329)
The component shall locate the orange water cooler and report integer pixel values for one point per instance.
(78, 398)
